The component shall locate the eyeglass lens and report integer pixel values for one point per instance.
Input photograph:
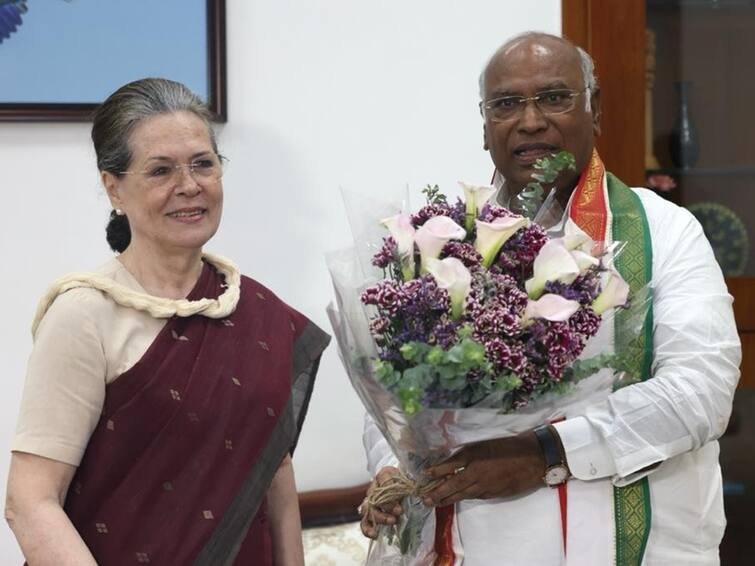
(550, 102)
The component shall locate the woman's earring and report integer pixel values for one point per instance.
(118, 212)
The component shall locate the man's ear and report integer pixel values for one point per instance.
(596, 111)
(112, 186)
(485, 137)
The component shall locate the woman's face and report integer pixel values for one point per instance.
(170, 209)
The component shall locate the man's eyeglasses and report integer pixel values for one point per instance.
(548, 102)
(205, 169)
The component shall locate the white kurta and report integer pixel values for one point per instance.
(665, 428)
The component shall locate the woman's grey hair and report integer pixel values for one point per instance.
(116, 118)
(586, 62)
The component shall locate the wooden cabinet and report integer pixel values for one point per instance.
(708, 44)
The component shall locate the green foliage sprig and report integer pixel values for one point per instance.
(548, 168)
(449, 367)
(433, 195)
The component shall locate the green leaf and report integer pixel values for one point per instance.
(386, 375)
(433, 195)
(414, 351)
(435, 356)
(410, 399)
(454, 381)
(473, 352)
(420, 376)
(507, 382)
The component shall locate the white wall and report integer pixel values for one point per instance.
(365, 95)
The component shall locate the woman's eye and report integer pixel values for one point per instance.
(202, 164)
(160, 171)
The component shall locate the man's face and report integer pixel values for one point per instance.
(525, 69)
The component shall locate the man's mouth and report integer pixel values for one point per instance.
(528, 153)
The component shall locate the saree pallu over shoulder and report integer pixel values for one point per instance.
(191, 436)
(607, 209)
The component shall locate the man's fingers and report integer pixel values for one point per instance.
(392, 507)
(451, 486)
(379, 517)
(448, 468)
(469, 492)
(368, 528)
(372, 520)
(385, 474)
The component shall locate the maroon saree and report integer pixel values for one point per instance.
(191, 436)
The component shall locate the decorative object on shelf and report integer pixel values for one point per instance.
(660, 182)
(683, 143)
(727, 235)
(650, 160)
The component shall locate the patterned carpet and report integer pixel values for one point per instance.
(340, 545)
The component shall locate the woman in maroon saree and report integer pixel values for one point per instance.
(189, 460)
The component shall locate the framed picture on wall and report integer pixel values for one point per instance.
(59, 59)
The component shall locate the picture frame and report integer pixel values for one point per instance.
(62, 75)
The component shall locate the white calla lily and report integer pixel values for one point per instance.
(451, 275)
(584, 260)
(475, 197)
(553, 263)
(614, 293)
(402, 231)
(492, 235)
(433, 235)
(550, 307)
(575, 238)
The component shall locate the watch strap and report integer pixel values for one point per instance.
(549, 446)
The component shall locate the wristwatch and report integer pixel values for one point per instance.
(556, 469)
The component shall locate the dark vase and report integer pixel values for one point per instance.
(683, 144)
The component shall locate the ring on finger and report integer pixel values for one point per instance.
(459, 469)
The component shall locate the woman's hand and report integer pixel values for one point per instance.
(388, 514)
(502, 467)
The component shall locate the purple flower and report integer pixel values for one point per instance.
(464, 252)
(444, 334)
(387, 254)
(584, 288)
(492, 212)
(585, 322)
(506, 355)
(519, 252)
(430, 211)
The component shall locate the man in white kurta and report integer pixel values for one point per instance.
(664, 428)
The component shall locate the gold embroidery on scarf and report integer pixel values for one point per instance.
(592, 182)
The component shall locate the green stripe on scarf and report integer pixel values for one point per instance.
(630, 225)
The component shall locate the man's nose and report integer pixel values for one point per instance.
(531, 119)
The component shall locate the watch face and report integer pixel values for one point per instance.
(556, 475)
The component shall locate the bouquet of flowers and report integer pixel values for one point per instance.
(476, 327)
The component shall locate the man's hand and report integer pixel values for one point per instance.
(502, 467)
(387, 514)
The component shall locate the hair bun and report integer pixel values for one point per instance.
(118, 232)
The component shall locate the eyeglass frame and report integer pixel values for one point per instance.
(222, 159)
(523, 100)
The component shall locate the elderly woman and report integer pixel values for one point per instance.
(165, 391)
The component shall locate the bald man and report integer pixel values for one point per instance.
(632, 479)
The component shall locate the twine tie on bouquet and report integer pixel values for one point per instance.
(396, 488)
